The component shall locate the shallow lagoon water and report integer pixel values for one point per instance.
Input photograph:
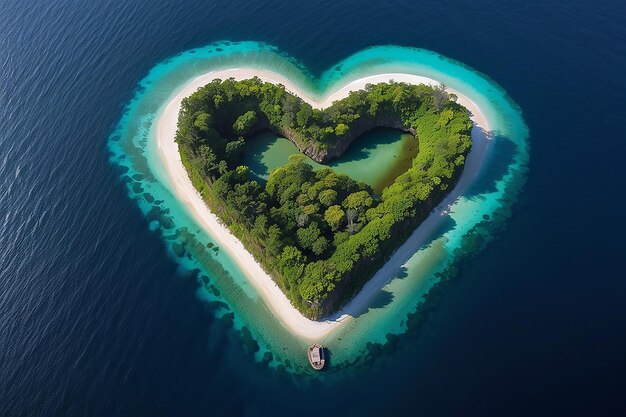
(390, 151)
(486, 204)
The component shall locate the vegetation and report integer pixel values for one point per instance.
(319, 234)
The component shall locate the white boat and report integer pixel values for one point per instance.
(316, 357)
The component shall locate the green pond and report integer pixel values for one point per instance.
(376, 157)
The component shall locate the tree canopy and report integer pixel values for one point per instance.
(318, 233)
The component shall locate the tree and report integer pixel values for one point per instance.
(359, 201)
(308, 235)
(260, 226)
(302, 219)
(208, 162)
(248, 200)
(319, 246)
(273, 243)
(291, 257)
(222, 167)
(335, 217)
(327, 132)
(440, 97)
(318, 281)
(244, 122)
(351, 215)
(291, 263)
(303, 115)
(327, 197)
(234, 148)
(242, 172)
(341, 129)
(218, 100)
(203, 122)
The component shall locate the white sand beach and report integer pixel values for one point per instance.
(268, 290)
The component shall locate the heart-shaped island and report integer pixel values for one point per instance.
(320, 259)
(320, 235)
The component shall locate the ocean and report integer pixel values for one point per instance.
(98, 316)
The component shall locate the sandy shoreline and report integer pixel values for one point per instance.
(269, 291)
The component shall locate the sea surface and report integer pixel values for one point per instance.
(459, 228)
(100, 316)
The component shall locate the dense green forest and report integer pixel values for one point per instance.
(319, 234)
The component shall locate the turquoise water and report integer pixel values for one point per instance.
(486, 203)
(376, 157)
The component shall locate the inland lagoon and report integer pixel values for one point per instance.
(377, 158)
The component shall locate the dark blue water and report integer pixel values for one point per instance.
(96, 320)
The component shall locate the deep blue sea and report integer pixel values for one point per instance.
(97, 319)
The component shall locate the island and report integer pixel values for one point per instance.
(319, 235)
